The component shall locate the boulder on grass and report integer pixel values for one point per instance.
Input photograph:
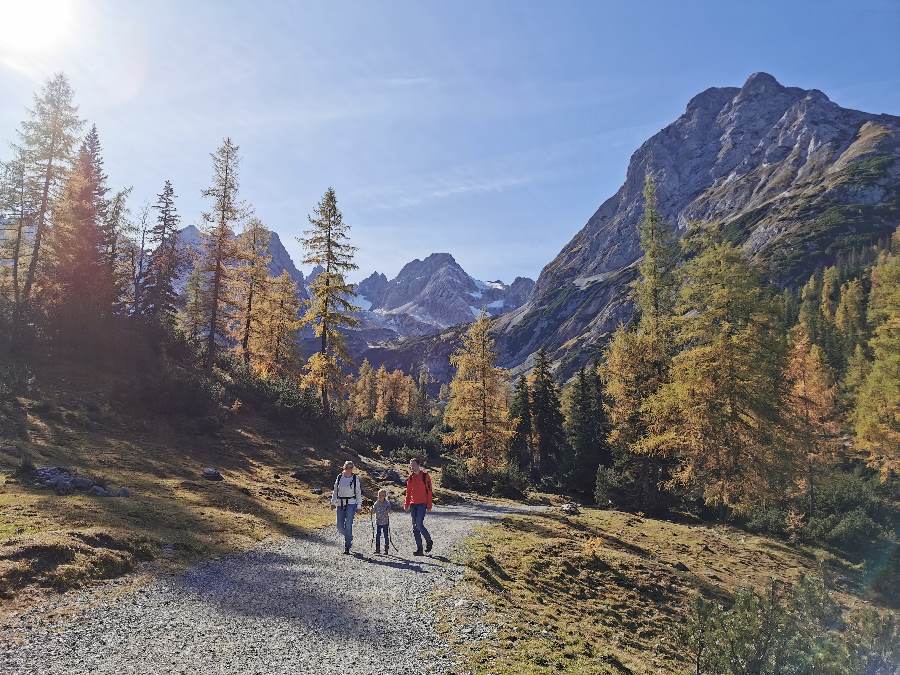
(99, 491)
(210, 473)
(570, 509)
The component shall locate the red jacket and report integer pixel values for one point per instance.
(418, 489)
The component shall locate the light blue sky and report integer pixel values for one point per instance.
(491, 130)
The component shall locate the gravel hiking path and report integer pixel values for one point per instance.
(293, 605)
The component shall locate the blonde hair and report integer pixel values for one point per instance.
(382, 491)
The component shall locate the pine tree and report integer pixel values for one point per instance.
(249, 280)
(419, 413)
(274, 342)
(521, 449)
(193, 317)
(877, 413)
(855, 375)
(634, 369)
(118, 230)
(810, 307)
(80, 280)
(850, 319)
(637, 361)
(365, 395)
(220, 251)
(656, 287)
(168, 261)
(587, 428)
(811, 406)
(477, 410)
(327, 245)
(47, 141)
(137, 259)
(546, 418)
(718, 414)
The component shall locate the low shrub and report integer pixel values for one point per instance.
(179, 392)
(788, 629)
(368, 433)
(509, 482)
(278, 398)
(849, 513)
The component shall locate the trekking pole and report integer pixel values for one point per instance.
(372, 523)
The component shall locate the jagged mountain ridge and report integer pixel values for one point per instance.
(438, 291)
(424, 298)
(784, 171)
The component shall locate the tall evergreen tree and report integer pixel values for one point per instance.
(637, 361)
(586, 428)
(249, 281)
(274, 342)
(46, 143)
(656, 287)
(718, 414)
(850, 319)
(167, 262)
(327, 244)
(477, 411)
(810, 307)
(365, 395)
(220, 251)
(811, 406)
(546, 418)
(521, 448)
(877, 412)
(81, 282)
(192, 318)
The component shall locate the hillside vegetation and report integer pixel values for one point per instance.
(608, 592)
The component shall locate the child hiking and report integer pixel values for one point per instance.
(382, 509)
(346, 498)
(418, 501)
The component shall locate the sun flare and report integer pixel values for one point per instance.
(33, 26)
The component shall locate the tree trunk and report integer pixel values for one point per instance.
(39, 227)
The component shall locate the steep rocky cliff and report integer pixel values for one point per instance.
(784, 171)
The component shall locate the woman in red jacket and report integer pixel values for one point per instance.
(418, 501)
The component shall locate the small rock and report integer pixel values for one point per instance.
(245, 490)
(82, 483)
(212, 474)
(276, 476)
(680, 566)
(63, 486)
(99, 491)
(570, 509)
(316, 490)
(297, 474)
(123, 492)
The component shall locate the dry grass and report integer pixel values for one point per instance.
(602, 592)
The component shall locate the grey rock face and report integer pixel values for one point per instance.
(786, 172)
(210, 473)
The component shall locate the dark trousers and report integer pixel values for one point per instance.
(382, 529)
(418, 511)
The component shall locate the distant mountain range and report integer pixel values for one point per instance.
(791, 176)
(426, 297)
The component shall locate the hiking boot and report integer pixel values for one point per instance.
(428, 546)
(418, 551)
(346, 550)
